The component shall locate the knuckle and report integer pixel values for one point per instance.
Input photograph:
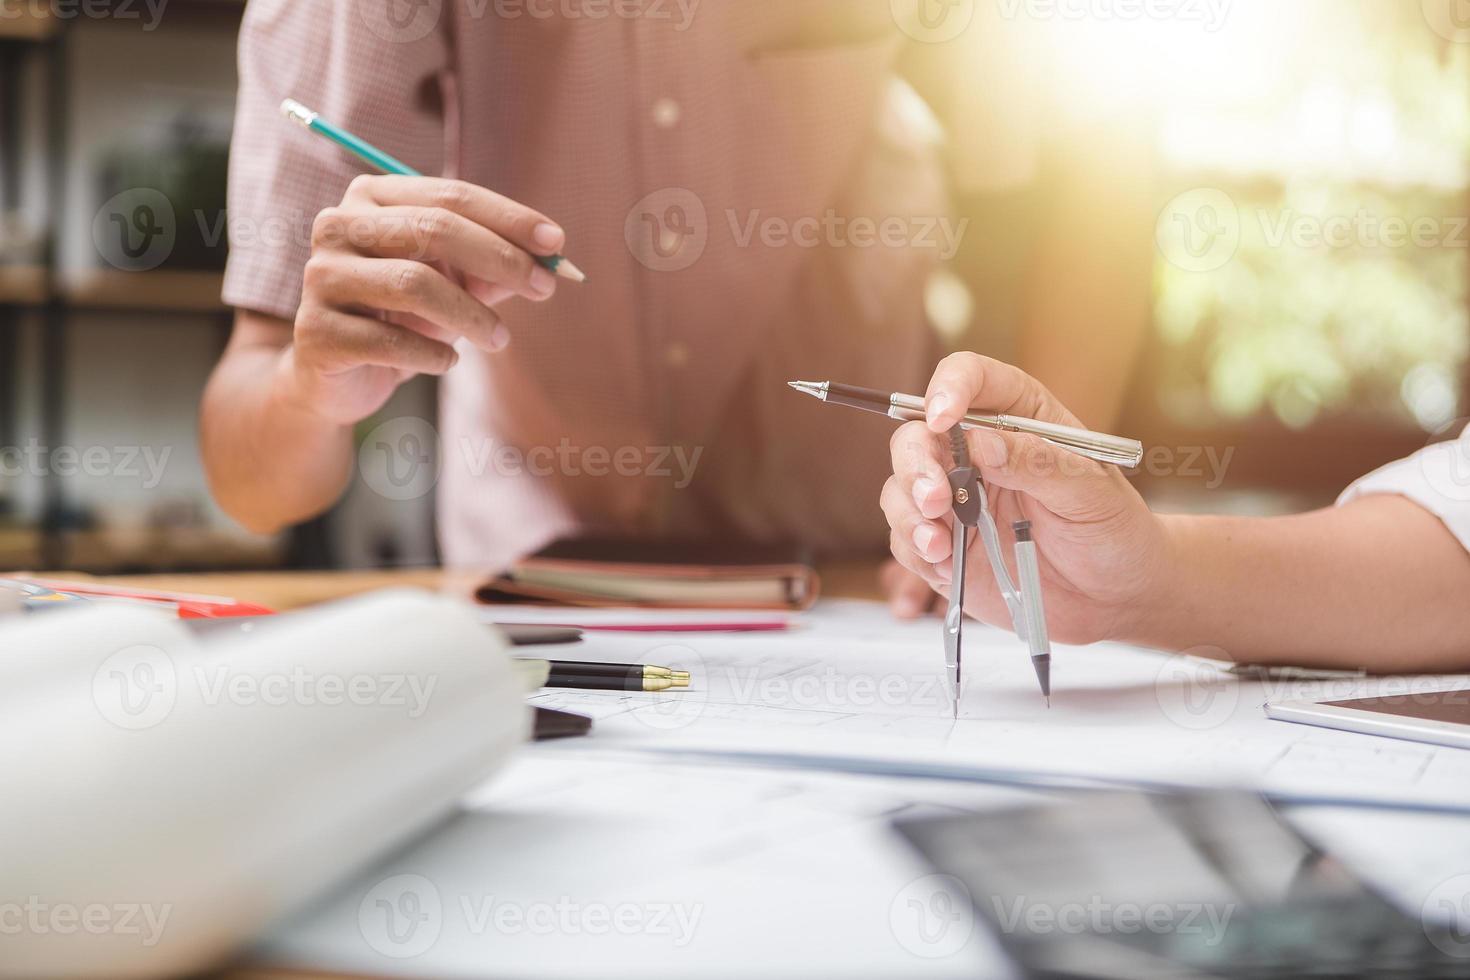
(411, 279)
(906, 518)
(967, 360)
(961, 365)
(362, 186)
(392, 340)
(317, 339)
(453, 196)
(906, 442)
(898, 440)
(889, 497)
(433, 225)
(442, 358)
(327, 226)
(516, 263)
(311, 322)
(317, 274)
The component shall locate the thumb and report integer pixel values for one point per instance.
(1071, 486)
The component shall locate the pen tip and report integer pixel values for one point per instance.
(568, 270)
(1048, 702)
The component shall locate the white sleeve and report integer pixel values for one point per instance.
(1436, 478)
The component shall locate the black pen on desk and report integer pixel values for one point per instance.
(584, 676)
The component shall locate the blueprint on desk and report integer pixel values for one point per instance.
(741, 828)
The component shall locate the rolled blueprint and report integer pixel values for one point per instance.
(164, 800)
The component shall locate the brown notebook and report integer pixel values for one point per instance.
(667, 575)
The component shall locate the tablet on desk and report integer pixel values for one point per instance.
(1441, 717)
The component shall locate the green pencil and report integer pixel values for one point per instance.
(391, 165)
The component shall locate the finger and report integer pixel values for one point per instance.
(418, 324)
(1068, 485)
(904, 518)
(909, 596)
(931, 540)
(917, 463)
(904, 522)
(404, 286)
(526, 227)
(441, 235)
(334, 339)
(966, 382)
(903, 552)
(487, 292)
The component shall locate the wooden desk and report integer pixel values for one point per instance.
(293, 590)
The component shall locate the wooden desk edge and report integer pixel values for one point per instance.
(293, 590)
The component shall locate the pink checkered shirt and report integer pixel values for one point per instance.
(681, 145)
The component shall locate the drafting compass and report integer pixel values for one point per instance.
(971, 506)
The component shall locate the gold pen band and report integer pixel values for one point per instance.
(665, 683)
(674, 678)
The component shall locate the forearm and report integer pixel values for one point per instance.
(270, 461)
(1379, 583)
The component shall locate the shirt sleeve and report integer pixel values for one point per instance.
(1436, 478)
(379, 78)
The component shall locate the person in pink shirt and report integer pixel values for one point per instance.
(757, 191)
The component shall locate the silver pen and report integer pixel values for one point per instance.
(1114, 450)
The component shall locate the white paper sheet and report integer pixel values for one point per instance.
(853, 684)
(622, 618)
(794, 870)
(717, 873)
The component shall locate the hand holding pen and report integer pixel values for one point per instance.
(1100, 554)
(401, 269)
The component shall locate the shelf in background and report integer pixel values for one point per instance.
(175, 549)
(161, 289)
(105, 551)
(20, 547)
(23, 284)
(31, 24)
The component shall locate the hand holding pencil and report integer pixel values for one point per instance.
(401, 270)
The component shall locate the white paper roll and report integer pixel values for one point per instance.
(164, 801)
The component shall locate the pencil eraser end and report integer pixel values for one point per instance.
(297, 112)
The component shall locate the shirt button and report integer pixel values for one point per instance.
(677, 354)
(670, 242)
(666, 113)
